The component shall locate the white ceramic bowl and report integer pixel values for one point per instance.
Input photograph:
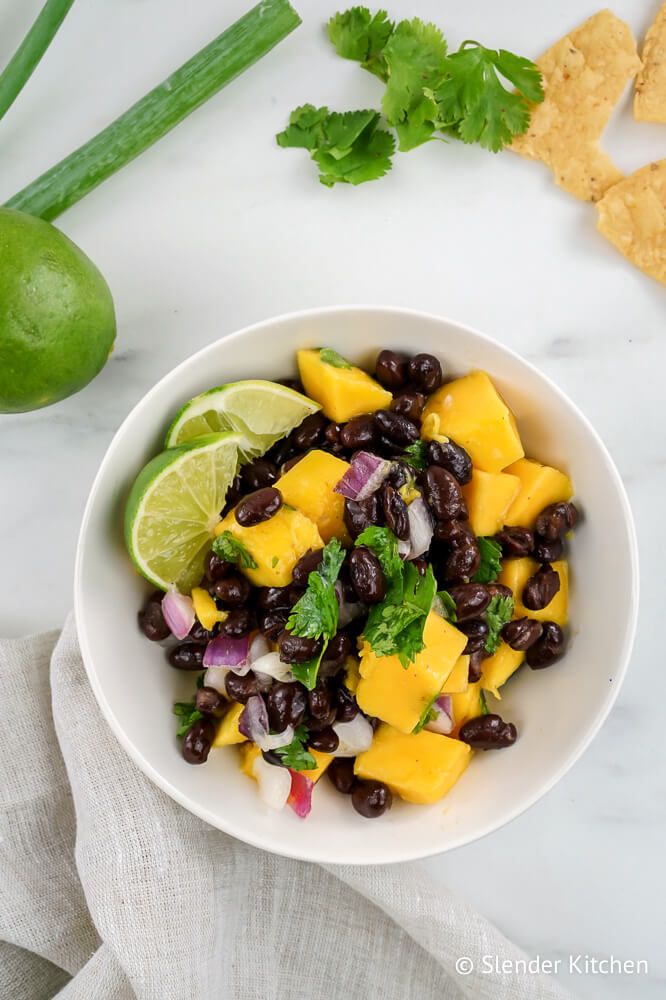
(557, 711)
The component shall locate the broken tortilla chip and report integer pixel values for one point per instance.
(584, 75)
(650, 99)
(632, 215)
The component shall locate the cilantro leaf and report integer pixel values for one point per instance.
(188, 713)
(395, 626)
(415, 56)
(415, 454)
(315, 614)
(427, 715)
(296, 754)
(483, 704)
(448, 606)
(498, 613)
(357, 34)
(305, 129)
(367, 160)
(231, 550)
(491, 561)
(331, 357)
(384, 544)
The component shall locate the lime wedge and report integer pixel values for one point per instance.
(174, 505)
(262, 412)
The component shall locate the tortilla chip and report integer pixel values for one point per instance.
(632, 215)
(650, 99)
(584, 75)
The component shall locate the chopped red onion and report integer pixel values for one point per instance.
(300, 796)
(274, 783)
(365, 475)
(253, 723)
(224, 652)
(178, 611)
(421, 528)
(443, 724)
(258, 647)
(355, 736)
(215, 677)
(272, 666)
(348, 611)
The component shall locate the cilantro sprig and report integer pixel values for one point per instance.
(415, 454)
(331, 357)
(491, 561)
(315, 614)
(497, 614)
(296, 754)
(187, 711)
(427, 715)
(231, 550)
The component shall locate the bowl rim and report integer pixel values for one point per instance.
(229, 825)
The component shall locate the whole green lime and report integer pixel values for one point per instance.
(57, 321)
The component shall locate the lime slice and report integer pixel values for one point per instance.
(174, 505)
(262, 412)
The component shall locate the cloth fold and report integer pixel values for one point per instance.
(111, 891)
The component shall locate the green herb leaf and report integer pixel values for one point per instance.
(384, 544)
(231, 550)
(415, 454)
(415, 57)
(315, 614)
(331, 357)
(427, 715)
(449, 606)
(357, 34)
(188, 713)
(296, 754)
(498, 613)
(491, 561)
(483, 704)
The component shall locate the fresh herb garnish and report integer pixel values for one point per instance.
(448, 606)
(483, 703)
(497, 614)
(491, 561)
(188, 713)
(231, 550)
(427, 715)
(415, 454)
(315, 614)
(296, 754)
(331, 357)
(359, 35)
(384, 544)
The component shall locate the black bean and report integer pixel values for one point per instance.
(399, 430)
(271, 623)
(522, 633)
(555, 520)
(310, 433)
(546, 552)
(286, 704)
(345, 705)
(498, 590)
(258, 507)
(234, 493)
(233, 590)
(341, 774)
(306, 565)
(237, 623)
(541, 588)
(409, 404)
(443, 494)
(361, 514)
(216, 567)
(475, 666)
(516, 543)
(332, 434)
(270, 598)
(371, 798)
(186, 656)
(319, 704)
(359, 432)
(367, 576)
(476, 631)
(450, 456)
(325, 741)
(241, 688)
(337, 650)
(151, 619)
(292, 383)
(273, 757)
(258, 473)
(454, 532)
(198, 740)
(471, 600)
(425, 371)
(395, 512)
(281, 452)
(291, 462)
(297, 648)
(208, 700)
(462, 561)
(488, 732)
(398, 475)
(548, 649)
(200, 634)
(391, 369)
(316, 725)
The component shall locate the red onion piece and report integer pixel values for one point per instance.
(274, 783)
(258, 647)
(231, 653)
(365, 475)
(270, 665)
(215, 677)
(253, 720)
(421, 528)
(178, 611)
(300, 796)
(355, 736)
(443, 724)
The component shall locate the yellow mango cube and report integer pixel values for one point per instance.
(343, 392)
(398, 695)
(419, 767)
(497, 669)
(488, 497)
(275, 545)
(308, 486)
(206, 609)
(466, 705)
(228, 732)
(323, 760)
(352, 675)
(249, 753)
(515, 574)
(458, 678)
(471, 412)
(540, 485)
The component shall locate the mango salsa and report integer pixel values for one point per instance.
(488, 497)
(308, 486)
(471, 412)
(419, 767)
(343, 392)
(228, 731)
(498, 668)
(515, 574)
(275, 545)
(466, 705)
(540, 485)
(250, 752)
(398, 695)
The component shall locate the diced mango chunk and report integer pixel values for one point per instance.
(474, 415)
(488, 497)
(457, 680)
(515, 574)
(249, 753)
(276, 545)
(398, 695)
(228, 731)
(206, 609)
(419, 767)
(466, 705)
(343, 392)
(352, 675)
(323, 760)
(308, 486)
(497, 669)
(540, 485)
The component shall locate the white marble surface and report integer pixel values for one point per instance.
(216, 227)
